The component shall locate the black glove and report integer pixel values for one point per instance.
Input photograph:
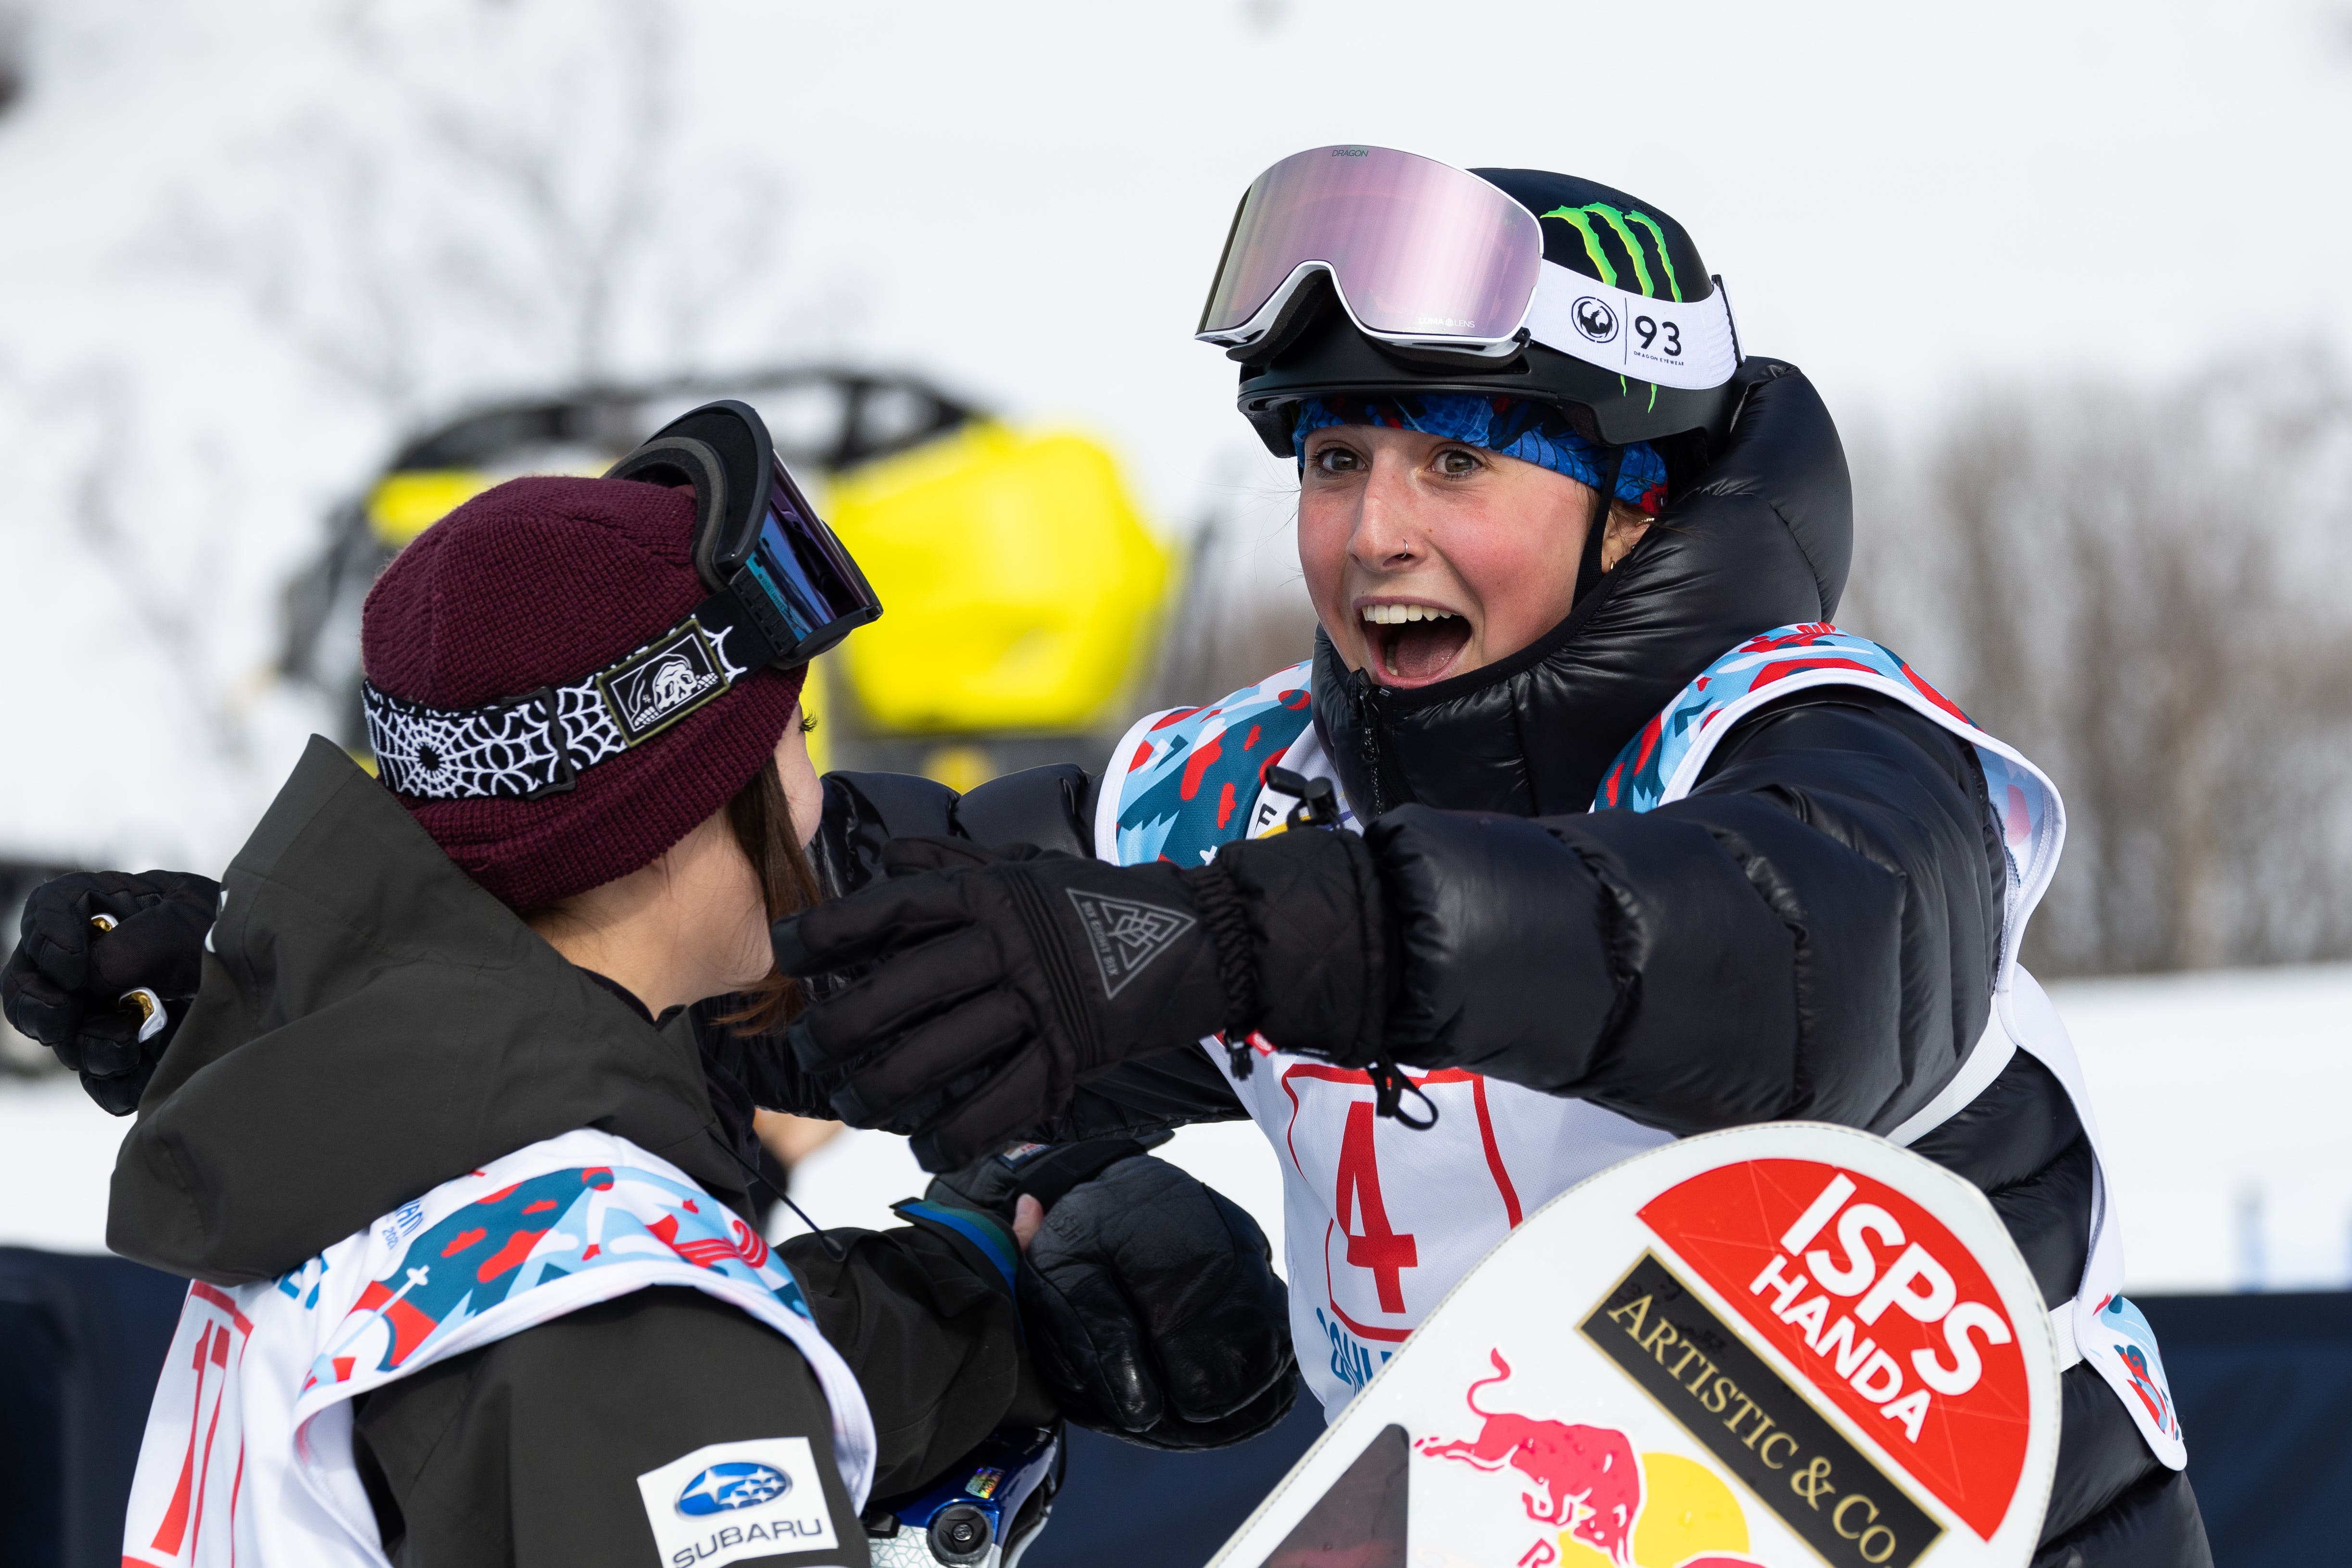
(1149, 1301)
(65, 982)
(1005, 979)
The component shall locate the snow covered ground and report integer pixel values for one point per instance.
(2220, 1096)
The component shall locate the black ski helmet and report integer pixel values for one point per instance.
(1588, 228)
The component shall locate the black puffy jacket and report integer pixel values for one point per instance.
(1811, 933)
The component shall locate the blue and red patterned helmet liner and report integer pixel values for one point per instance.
(1533, 432)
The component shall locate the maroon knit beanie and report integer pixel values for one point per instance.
(542, 583)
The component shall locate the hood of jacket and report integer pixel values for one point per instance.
(1760, 538)
(372, 1023)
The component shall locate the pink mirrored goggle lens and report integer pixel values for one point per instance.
(1418, 248)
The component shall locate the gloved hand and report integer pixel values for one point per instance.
(65, 982)
(1149, 1301)
(1004, 979)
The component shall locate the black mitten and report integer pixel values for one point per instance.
(89, 940)
(1153, 1313)
(1004, 979)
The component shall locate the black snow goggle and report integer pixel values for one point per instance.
(782, 591)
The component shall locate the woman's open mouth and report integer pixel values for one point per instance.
(1413, 645)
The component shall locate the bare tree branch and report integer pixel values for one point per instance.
(442, 235)
(2132, 586)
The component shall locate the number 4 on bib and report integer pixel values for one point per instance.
(1371, 1245)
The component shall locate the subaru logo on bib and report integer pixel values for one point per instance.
(723, 1488)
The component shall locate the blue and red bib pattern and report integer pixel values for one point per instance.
(1186, 777)
(1661, 762)
(1638, 779)
(241, 1463)
(509, 1242)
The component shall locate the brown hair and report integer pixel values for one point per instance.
(761, 819)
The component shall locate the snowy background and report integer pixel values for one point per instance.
(244, 249)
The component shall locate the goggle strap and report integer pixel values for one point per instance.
(760, 634)
(1690, 345)
(537, 744)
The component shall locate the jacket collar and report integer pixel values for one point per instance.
(372, 1023)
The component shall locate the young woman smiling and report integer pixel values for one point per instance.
(1428, 558)
(1637, 844)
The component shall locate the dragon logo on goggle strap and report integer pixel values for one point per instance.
(1618, 225)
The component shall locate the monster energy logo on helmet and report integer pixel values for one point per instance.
(1623, 290)
(1608, 235)
(1615, 224)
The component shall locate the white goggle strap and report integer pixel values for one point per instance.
(1687, 344)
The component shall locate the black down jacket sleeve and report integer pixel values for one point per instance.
(1810, 934)
(930, 1328)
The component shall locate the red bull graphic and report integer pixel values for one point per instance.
(1586, 1477)
(1607, 1504)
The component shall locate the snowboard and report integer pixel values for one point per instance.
(1771, 1347)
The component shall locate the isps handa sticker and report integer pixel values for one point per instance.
(1881, 1309)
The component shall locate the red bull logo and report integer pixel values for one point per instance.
(1586, 1477)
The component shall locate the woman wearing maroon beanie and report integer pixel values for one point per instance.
(454, 1133)
(475, 1281)
(460, 1171)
